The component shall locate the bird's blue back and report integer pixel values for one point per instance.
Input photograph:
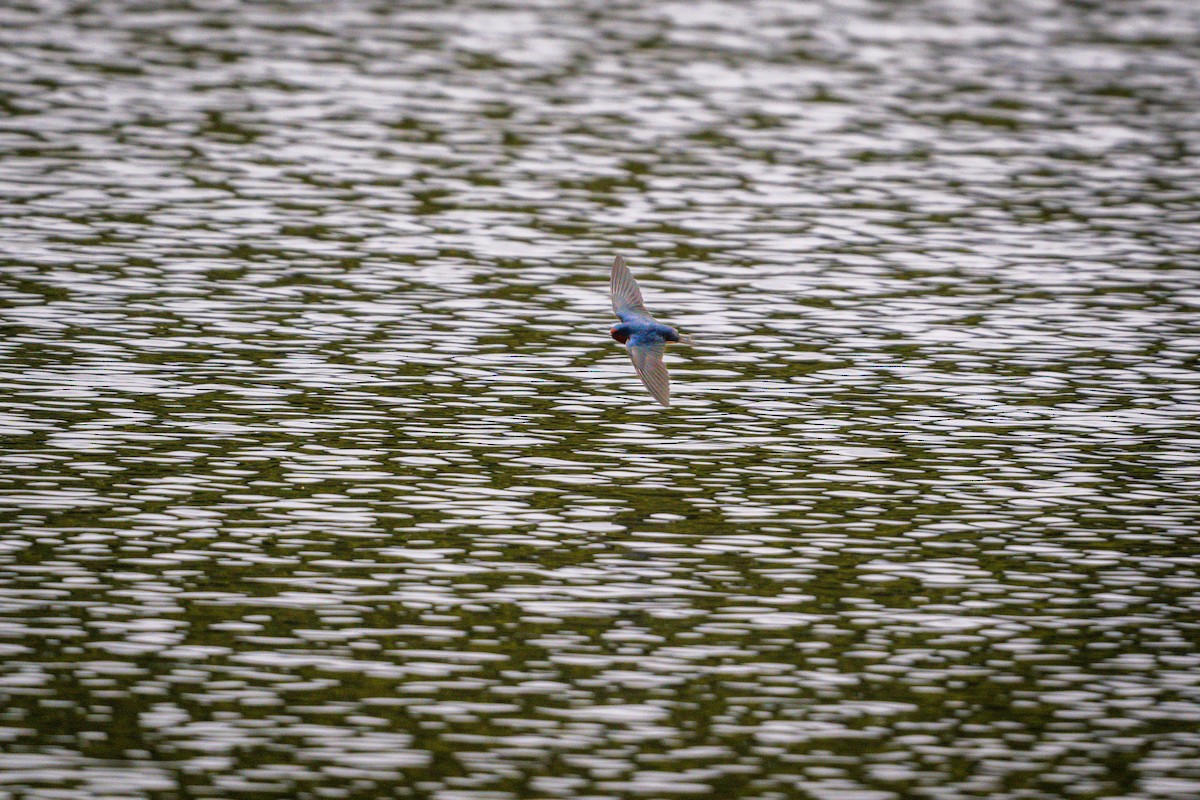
(651, 332)
(639, 330)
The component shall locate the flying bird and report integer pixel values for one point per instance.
(643, 336)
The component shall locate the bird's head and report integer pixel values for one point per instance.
(620, 333)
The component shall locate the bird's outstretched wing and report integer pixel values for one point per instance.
(648, 361)
(626, 296)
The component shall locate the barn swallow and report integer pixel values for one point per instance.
(643, 336)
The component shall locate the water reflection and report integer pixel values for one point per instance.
(322, 479)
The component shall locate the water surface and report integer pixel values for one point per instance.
(321, 478)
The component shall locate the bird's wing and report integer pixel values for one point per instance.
(648, 361)
(626, 296)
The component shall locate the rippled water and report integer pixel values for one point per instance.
(322, 479)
